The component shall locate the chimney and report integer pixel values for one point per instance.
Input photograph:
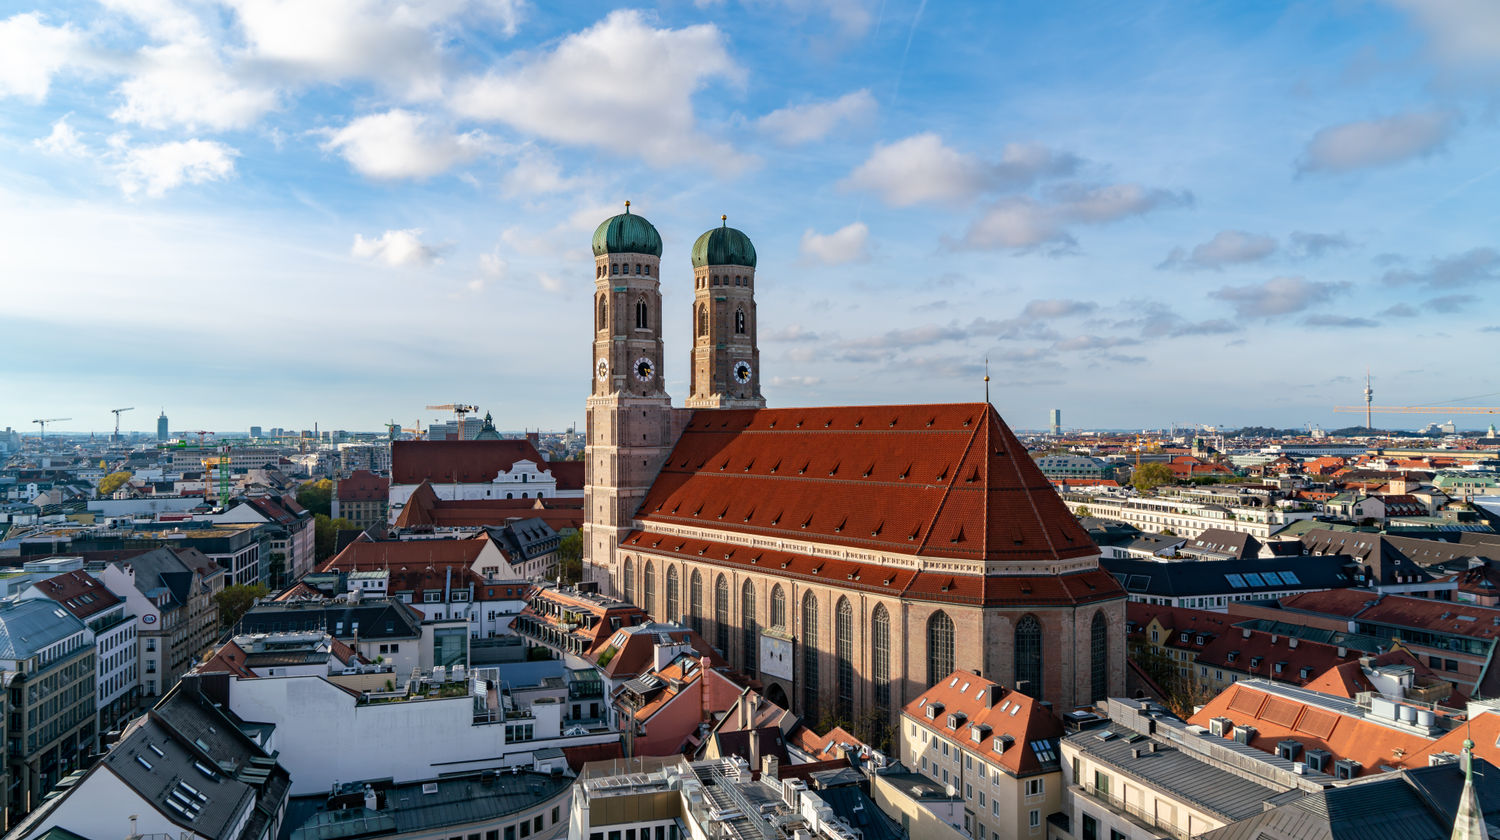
(996, 694)
(372, 802)
(770, 768)
(744, 710)
(754, 750)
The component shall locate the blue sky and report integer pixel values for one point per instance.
(276, 212)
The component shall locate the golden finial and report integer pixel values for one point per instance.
(724, 220)
(627, 205)
(986, 380)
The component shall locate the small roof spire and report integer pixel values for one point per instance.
(723, 220)
(1468, 823)
(986, 380)
(627, 205)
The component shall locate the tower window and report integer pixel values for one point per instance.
(739, 321)
(637, 268)
(641, 316)
(603, 312)
(614, 268)
(702, 320)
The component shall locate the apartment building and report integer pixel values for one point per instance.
(117, 674)
(995, 747)
(171, 594)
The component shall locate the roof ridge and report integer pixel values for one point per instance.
(948, 490)
(1020, 481)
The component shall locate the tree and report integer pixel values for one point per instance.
(317, 496)
(112, 482)
(1148, 477)
(1083, 512)
(570, 558)
(234, 601)
(326, 534)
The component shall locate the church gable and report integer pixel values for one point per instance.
(938, 481)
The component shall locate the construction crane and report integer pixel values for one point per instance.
(117, 412)
(43, 423)
(201, 433)
(458, 409)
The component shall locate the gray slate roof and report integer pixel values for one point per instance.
(26, 627)
(1417, 804)
(1169, 769)
(406, 809)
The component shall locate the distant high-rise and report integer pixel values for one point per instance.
(161, 426)
(1056, 421)
(255, 431)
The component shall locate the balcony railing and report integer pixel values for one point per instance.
(1136, 813)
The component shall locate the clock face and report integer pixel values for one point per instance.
(644, 369)
(602, 369)
(742, 372)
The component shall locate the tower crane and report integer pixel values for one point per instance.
(117, 412)
(459, 410)
(43, 423)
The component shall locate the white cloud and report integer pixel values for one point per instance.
(621, 85)
(921, 168)
(62, 142)
(1057, 308)
(186, 84)
(1378, 142)
(537, 173)
(1022, 222)
(797, 124)
(397, 249)
(1277, 296)
(31, 53)
(1474, 266)
(156, 169)
(403, 144)
(493, 265)
(1227, 247)
(850, 243)
(1463, 31)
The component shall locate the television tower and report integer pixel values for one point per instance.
(1369, 397)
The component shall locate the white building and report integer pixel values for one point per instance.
(117, 684)
(470, 470)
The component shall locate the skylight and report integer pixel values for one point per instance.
(1235, 581)
(1254, 579)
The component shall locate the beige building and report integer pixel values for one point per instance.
(995, 749)
(1145, 774)
(835, 554)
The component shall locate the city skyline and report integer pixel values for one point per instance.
(1124, 211)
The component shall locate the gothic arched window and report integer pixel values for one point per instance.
(695, 602)
(648, 590)
(702, 320)
(629, 581)
(1099, 657)
(939, 647)
(810, 647)
(843, 643)
(603, 312)
(739, 321)
(642, 320)
(721, 615)
(637, 268)
(778, 608)
(1029, 656)
(669, 612)
(880, 656)
(749, 629)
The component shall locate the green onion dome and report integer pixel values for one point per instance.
(627, 234)
(722, 246)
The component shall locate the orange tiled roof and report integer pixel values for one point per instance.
(946, 481)
(363, 486)
(990, 712)
(363, 556)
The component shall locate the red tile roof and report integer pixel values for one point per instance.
(947, 481)
(1260, 652)
(986, 590)
(568, 474)
(988, 713)
(367, 556)
(364, 486)
(463, 461)
(79, 593)
(1401, 611)
(425, 510)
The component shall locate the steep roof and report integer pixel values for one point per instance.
(981, 714)
(79, 593)
(26, 627)
(949, 481)
(363, 556)
(462, 461)
(363, 486)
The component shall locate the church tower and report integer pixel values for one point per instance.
(630, 416)
(726, 357)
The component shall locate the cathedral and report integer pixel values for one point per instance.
(847, 557)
